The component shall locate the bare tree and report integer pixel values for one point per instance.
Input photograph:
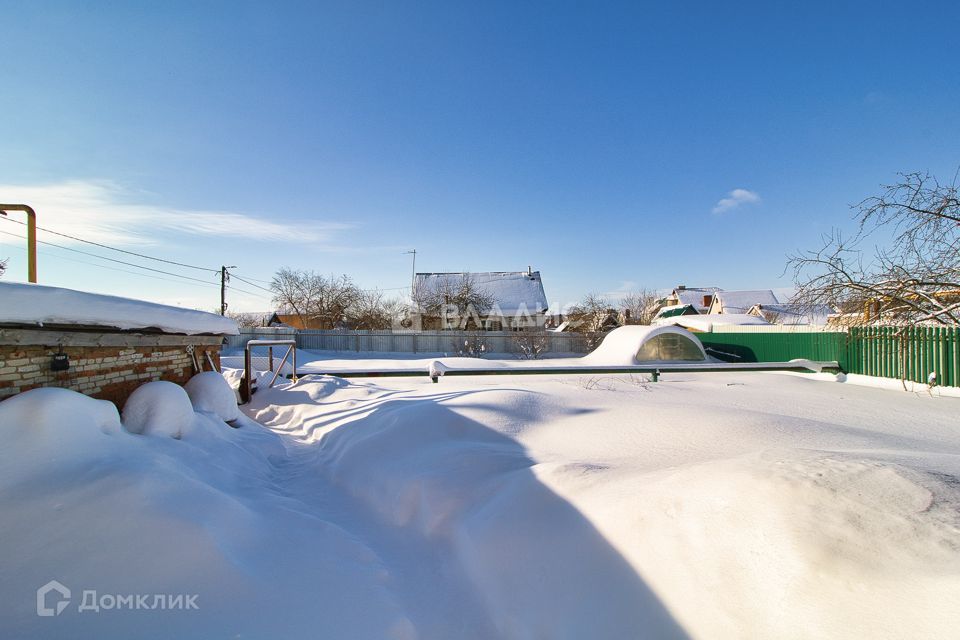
(3, 267)
(912, 278)
(313, 298)
(592, 316)
(460, 299)
(371, 310)
(246, 320)
(641, 305)
(901, 267)
(593, 313)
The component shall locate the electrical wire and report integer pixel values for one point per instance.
(103, 266)
(129, 264)
(233, 275)
(104, 246)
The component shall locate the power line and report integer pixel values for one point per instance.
(129, 264)
(134, 273)
(104, 246)
(103, 266)
(233, 275)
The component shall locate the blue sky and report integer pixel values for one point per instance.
(597, 142)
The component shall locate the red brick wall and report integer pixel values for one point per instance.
(109, 373)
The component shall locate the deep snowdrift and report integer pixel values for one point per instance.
(709, 505)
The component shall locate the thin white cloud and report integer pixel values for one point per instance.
(104, 212)
(735, 199)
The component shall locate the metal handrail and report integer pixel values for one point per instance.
(655, 370)
(246, 385)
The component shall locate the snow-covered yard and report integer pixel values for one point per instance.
(709, 505)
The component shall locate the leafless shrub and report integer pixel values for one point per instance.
(473, 346)
(531, 345)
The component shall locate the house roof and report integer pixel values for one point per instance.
(33, 304)
(513, 291)
(675, 310)
(706, 322)
(693, 296)
(741, 301)
(792, 313)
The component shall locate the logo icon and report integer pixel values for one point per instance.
(61, 600)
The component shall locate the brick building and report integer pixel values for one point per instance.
(102, 346)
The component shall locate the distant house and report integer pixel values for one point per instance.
(740, 302)
(296, 321)
(792, 314)
(697, 298)
(519, 302)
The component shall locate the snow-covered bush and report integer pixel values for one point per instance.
(211, 393)
(531, 345)
(473, 346)
(158, 408)
(58, 413)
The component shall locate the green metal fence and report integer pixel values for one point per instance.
(776, 346)
(872, 351)
(891, 352)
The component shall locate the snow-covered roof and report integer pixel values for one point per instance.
(706, 321)
(513, 291)
(33, 304)
(675, 310)
(791, 313)
(741, 301)
(694, 295)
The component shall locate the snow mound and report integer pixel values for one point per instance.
(158, 408)
(636, 344)
(210, 392)
(59, 420)
(791, 533)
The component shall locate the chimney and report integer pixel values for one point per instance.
(681, 287)
(529, 270)
(707, 299)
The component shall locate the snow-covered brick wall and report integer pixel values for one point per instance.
(108, 373)
(32, 304)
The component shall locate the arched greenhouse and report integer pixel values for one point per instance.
(642, 344)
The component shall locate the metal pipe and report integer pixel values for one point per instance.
(246, 385)
(656, 371)
(31, 236)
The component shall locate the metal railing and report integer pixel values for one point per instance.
(246, 385)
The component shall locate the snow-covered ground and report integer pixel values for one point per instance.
(708, 505)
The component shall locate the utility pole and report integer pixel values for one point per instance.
(413, 273)
(224, 278)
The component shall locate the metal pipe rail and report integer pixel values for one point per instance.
(31, 236)
(246, 385)
(655, 370)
